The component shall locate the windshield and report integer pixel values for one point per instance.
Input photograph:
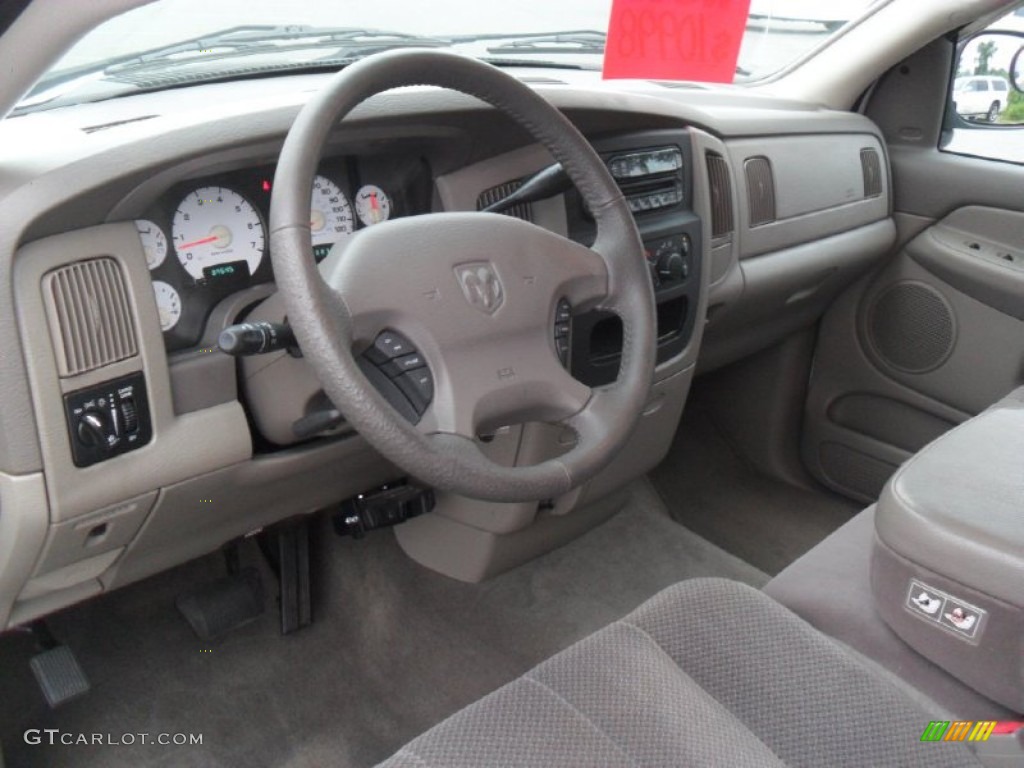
(567, 33)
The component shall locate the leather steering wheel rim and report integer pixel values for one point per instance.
(329, 328)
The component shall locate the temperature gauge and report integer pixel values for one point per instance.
(168, 304)
(372, 205)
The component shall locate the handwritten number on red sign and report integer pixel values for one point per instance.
(675, 39)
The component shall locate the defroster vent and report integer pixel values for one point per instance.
(90, 315)
(871, 167)
(721, 195)
(760, 190)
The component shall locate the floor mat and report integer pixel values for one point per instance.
(395, 648)
(717, 495)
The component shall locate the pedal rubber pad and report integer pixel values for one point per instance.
(59, 675)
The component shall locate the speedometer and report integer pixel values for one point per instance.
(214, 226)
(330, 216)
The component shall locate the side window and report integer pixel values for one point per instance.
(985, 108)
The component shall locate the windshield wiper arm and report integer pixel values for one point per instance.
(252, 39)
(571, 41)
(244, 40)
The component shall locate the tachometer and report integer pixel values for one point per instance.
(168, 304)
(154, 242)
(372, 205)
(213, 226)
(330, 216)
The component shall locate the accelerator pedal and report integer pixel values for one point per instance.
(228, 603)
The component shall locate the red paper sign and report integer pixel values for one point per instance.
(675, 39)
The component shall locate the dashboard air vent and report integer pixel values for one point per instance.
(721, 195)
(490, 196)
(871, 166)
(760, 190)
(90, 315)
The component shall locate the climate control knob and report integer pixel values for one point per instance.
(672, 268)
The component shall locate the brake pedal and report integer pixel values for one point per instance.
(58, 673)
(223, 605)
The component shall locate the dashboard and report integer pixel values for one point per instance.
(206, 238)
(169, 205)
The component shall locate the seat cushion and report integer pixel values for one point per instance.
(707, 673)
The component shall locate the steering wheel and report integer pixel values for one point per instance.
(476, 294)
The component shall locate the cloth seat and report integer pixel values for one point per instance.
(707, 673)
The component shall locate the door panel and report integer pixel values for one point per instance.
(905, 355)
(936, 334)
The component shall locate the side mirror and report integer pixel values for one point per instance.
(1017, 70)
(989, 82)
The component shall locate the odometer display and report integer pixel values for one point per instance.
(214, 226)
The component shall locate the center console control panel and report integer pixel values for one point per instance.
(654, 170)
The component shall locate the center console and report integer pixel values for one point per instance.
(948, 566)
(654, 169)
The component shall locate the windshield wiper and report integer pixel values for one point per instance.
(246, 40)
(571, 42)
(242, 41)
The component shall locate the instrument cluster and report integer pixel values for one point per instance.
(206, 239)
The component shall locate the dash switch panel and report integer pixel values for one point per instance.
(108, 419)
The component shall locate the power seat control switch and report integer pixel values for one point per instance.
(400, 373)
(108, 419)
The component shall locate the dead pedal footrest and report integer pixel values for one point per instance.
(59, 675)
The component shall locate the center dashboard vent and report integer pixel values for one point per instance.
(90, 315)
(721, 195)
(490, 196)
(760, 190)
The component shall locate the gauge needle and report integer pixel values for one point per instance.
(203, 241)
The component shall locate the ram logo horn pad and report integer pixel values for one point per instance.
(481, 286)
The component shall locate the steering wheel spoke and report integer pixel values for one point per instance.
(491, 384)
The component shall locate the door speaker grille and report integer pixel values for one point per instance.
(911, 327)
(90, 315)
(760, 190)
